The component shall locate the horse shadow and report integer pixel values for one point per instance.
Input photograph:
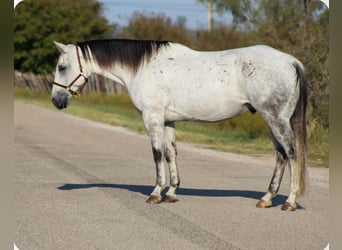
(147, 189)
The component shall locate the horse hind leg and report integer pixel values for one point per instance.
(284, 135)
(170, 158)
(273, 188)
(291, 143)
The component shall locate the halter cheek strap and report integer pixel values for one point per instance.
(81, 74)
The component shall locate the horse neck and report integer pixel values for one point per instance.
(117, 73)
(124, 73)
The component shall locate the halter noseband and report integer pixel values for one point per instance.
(68, 87)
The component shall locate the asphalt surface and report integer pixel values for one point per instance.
(83, 185)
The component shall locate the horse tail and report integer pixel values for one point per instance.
(298, 123)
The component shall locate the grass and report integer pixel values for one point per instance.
(246, 134)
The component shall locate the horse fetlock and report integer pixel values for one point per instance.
(174, 181)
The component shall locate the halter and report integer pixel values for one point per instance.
(81, 74)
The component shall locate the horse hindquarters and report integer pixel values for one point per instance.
(289, 138)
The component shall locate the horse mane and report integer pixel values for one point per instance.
(130, 53)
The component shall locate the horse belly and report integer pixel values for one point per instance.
(207, 104)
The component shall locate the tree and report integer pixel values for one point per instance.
(248, 14)
(156, 26)
(37, 23)
(241, 10)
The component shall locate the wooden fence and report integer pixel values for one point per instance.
(43, 83)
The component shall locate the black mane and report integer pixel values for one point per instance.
(130, 53)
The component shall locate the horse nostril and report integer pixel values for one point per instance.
(58, 103)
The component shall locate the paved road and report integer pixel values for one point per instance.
(83, 185)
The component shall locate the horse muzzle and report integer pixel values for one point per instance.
(60, 100)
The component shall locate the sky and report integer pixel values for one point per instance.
(119, 11)
(196, 14)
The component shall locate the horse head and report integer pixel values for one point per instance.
(69, 76)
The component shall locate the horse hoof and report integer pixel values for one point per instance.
(264, 204)
(169, 199)
(289, 207)
(154, 199)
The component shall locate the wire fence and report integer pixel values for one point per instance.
(42, 83)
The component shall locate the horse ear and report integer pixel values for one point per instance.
(61, 47)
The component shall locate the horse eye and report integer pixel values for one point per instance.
(61, 67)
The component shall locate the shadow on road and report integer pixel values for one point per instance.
(146, 190)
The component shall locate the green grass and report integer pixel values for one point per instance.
(246, 134)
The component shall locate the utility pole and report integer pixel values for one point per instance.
(210, 15)
(307, 7)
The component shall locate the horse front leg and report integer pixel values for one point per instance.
(170, 157)
(154, 125)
